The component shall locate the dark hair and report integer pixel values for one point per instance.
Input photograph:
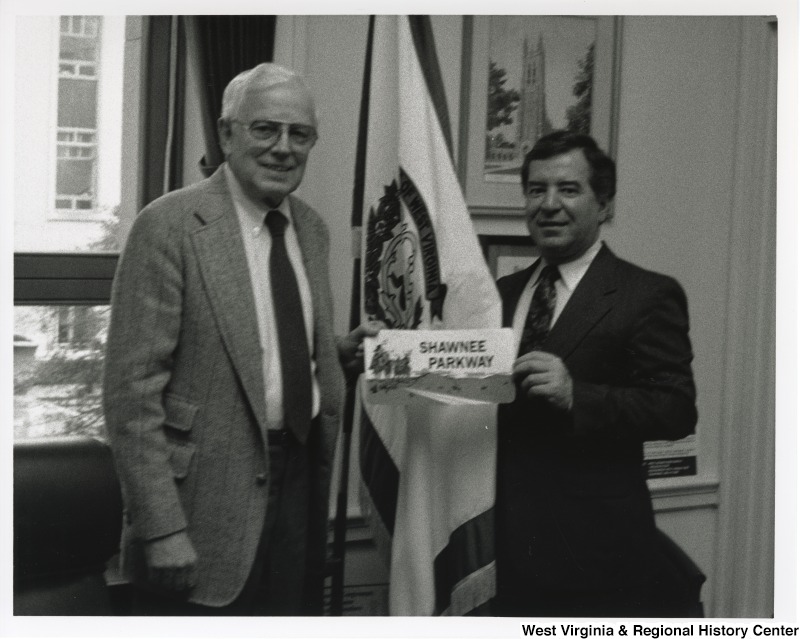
(604, 172)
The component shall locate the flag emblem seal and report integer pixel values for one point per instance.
(401, 261)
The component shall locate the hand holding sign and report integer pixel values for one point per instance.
(544, 375)
(351, 346)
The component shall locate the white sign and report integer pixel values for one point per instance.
(453, 367)
(671, 458)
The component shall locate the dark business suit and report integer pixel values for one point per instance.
(575, 526)
(184, 390)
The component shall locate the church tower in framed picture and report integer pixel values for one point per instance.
(533, 121)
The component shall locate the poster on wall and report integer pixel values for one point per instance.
(664, 459)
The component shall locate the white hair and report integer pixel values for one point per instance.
(264, 75)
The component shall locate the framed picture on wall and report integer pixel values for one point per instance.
(524, 76)
(507, 254)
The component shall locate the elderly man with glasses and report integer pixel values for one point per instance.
(223, 376)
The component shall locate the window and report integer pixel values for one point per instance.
(68, 147)
(58, 358)
(76, 154)
(68, 194)
(60, 325)
(80, 326)
(76, 133)
(78, 46)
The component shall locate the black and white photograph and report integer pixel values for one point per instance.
(215, 216)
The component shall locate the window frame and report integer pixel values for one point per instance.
(63, 278)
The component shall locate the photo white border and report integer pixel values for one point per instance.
(787, 396)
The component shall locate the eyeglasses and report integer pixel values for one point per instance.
(301, 136)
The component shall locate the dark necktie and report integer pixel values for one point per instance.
(295, 358)
(540, 314)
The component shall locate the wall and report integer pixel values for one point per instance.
(328, 186)
(686, 143)
(37, 53)
(675, 163)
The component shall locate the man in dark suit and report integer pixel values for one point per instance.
(603, 366)
(223, 385)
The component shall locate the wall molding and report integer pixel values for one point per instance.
(684, 493)
(498, 220)
(745, 549)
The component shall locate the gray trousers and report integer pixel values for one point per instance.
(277, 580)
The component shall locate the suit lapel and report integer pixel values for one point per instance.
(514, 285)
(592, 299)
(311, 249)
(217, 241)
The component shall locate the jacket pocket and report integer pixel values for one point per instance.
(180, 458)
(178, 421)
(179, 413)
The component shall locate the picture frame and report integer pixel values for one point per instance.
(489, 160)
(507, 254)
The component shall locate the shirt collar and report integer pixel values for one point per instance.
(572, 272)
(254, 211)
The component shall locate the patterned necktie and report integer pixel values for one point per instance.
(295, 358)
(540, 314)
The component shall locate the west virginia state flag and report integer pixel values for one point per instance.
(428, 472)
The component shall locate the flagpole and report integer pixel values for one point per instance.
(340, 523)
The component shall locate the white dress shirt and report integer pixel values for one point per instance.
(570, 273)
(257, 246)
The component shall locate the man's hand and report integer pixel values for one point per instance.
(171, 562)
(351, 347)
(544, 375)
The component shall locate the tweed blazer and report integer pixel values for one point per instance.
(184, 388)
(574, 512)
